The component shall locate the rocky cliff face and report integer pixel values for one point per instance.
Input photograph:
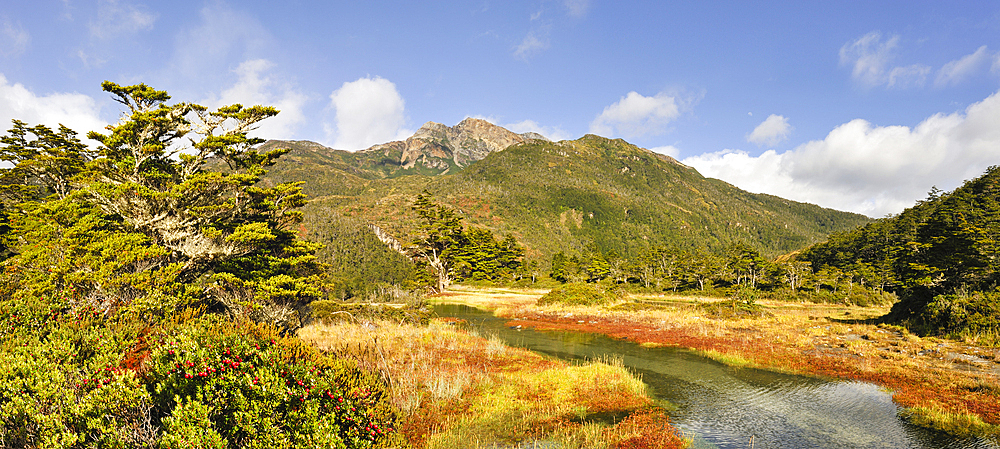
(441, 148)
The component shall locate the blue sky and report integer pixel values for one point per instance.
(860, 106)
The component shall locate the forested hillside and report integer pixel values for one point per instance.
(940, 256)
(593, 192)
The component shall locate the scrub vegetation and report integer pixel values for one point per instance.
(147, 300)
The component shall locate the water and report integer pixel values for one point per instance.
(723, 407)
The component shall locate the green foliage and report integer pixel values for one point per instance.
(742, 303)
(336, 311)
(440, 237)
(566, 197)
(44, 165)
(360, 266)
(974, 316)
(452, 251)
(582, 294)
(480, 256)
(268, 391)
(939, 256)
(107, 331)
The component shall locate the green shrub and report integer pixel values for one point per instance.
(336, 311)
(975, 316)
(742, 303)
(262, 390)
(191, 382)
(580, 294)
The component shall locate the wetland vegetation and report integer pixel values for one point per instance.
(159, 292)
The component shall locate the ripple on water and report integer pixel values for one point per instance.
(723, 407)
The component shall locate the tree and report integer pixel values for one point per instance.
(440, 235)
(795, 271)
(43, 165)
(598, 269)
(745, 263)
(453, 251)
(163, 213)
(479, 256)
(704, 267)
(126, 262)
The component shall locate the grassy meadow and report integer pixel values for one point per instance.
(457, 389)
(942, 384)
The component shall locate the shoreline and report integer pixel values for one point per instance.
(941, 384)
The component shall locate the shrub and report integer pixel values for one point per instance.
(262, 390)
(191, 382)
(971, 316)
(742, 303)
(580, 294)
(327, 311)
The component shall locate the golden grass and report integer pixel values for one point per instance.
(459, 390)
(819, 339)
(961, 424)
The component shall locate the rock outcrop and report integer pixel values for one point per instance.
(441, 148)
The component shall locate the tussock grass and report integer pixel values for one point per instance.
(733, 360)
(460, 390)
(828, 340)
(961, 424)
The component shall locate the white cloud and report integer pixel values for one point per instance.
(254, 86)
(577, 8)
(956, 71)
(909, 76)
(635, 115)
(552, 133)
(118, 17)
(668, 150)
(223, 35)
(870, 58)
(874, 170)
(533, 43)
(771, 131)
(14, 39)
(77, 111)
(369, 111)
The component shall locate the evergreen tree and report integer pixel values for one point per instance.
(146, 210)
(441, 234)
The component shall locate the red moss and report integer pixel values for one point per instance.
(646, 430)
(911, 388)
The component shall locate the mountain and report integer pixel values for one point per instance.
(435, 149)
(592, 193)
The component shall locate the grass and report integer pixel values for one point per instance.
(581, 294)
(961, 424)
(460, 390)
(827, 340)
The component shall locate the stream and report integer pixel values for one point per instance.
(718, 406)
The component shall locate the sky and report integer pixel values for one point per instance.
(857, 106)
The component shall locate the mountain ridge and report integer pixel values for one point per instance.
(593, 192)
(434, 149)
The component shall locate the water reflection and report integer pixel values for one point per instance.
(723, 407)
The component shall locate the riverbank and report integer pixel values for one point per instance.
(457, 389)
(946, 385)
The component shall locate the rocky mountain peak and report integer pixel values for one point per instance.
(440, 148)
